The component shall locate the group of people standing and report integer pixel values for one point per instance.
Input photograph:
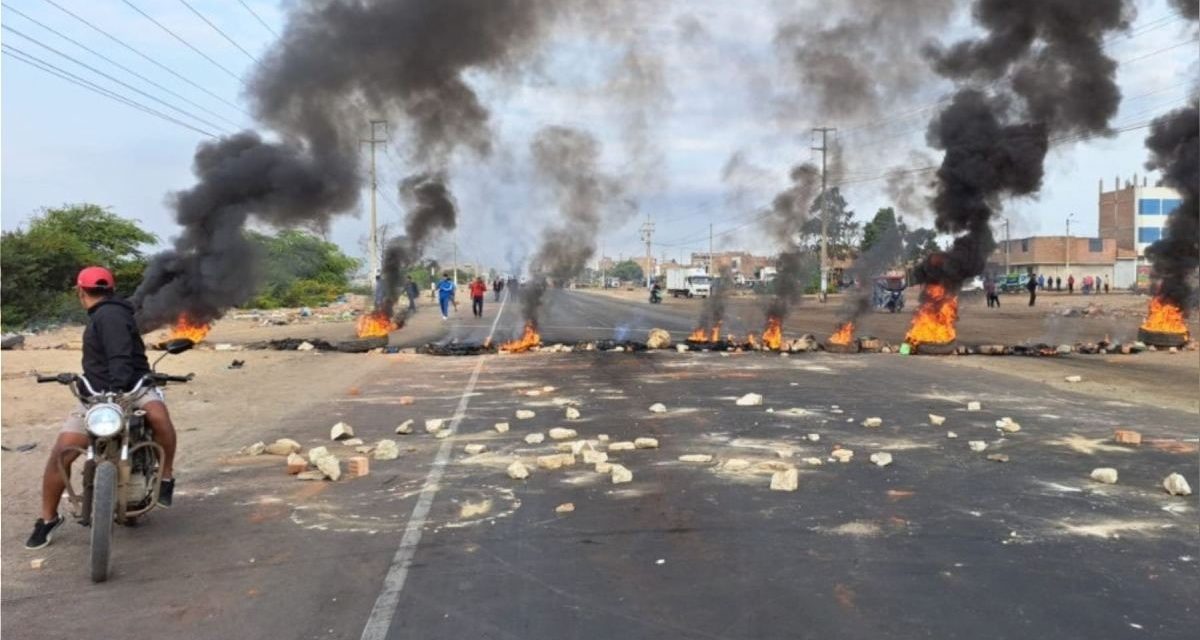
(1089, 285)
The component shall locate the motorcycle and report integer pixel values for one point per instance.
(121, 469)
(655, 296)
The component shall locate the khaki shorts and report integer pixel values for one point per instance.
(75, 421)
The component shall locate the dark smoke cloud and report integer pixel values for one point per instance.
(639, 90)
(431, 208)
(713, 311)
(795, 268)
(882, 255)
(1048, 75)
(1175, 150)
(1189, 8)
(787, 214)
(569, 162)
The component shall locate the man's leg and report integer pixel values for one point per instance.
(159, 420)
(53, 484)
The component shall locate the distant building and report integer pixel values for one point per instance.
(1059, 257)
(739, 262)
(1134, 216)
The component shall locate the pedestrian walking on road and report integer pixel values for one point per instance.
(478, 291)
(497, 287)
(1058, 283)
(989, 287)
(1070, 284)
(445, 291)
(412, 291)
(1032, 286)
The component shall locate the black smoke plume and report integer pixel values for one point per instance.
(1049, 75)
(881, 256)
(431, 208)
(1174, 145)
(712, 313)
(785, 218)
(569, 162)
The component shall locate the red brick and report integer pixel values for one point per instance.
(1127, 436)
(358, 466)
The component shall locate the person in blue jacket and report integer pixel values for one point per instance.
(445, 291)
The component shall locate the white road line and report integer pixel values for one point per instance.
(384, 610)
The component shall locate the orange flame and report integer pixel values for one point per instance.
(700, 334)
(186, 328)
(772, 336)
(1165, 317)
(376, 324)
(528, 340)
(751, 341)
(934, 321)
(843, 335)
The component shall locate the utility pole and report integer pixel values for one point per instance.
(1068, 247)
(456, 256)
(710, 249)
(824, 149)
(1007, 247)
(372, 236)
(647, 235)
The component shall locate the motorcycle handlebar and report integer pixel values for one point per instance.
(163, 377)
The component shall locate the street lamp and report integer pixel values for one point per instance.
(1069, 217)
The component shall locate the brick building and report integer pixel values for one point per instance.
(739, 262)
(1059, 256)
(1134, 215)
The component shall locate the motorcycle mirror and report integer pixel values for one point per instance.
(178, 345)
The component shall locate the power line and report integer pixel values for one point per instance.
(38, 63)
(218, 30)
(144, 56)
(113, 79)
(185, 42)
(258, 17)
(115, 63)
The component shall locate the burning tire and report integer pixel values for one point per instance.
(1162, 338)
(935, 349)
(362, 345)
(833, 347)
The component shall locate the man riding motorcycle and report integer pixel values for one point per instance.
(114, 358)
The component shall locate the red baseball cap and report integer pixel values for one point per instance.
(96, 278)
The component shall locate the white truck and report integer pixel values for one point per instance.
(689, 282)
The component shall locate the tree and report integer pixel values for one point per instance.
(39, 264)
(918, 243)
(873, 231)
(300, 269)
(842, 228)
(629, 271)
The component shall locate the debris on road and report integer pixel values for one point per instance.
(998, 457)
(842, 455)
(475, 449)
(572, 413)
(353, 442)
(620, 474)
(386, 450)
(1107, 475)
(501, 427)
(1007, 425)
(556, 461)
(681, 348)
(645, 443)
(951, 434)
(1177, 485)
(658, 339)
(561, 433)
(974, 406)
(816, 462)
(872, 422)
(977, 445)
(407, 400)
(936, 420)
(305, 346)
(341, 431)
(881, 459)
(1127, 436)
(604, 467)
(1074, 378)
(314, 474)
(326, 462)
(358, 466)
(566, 507)
(405, 428)
(283, 447)
(433, 425)
(517, 471)
(621, 446)
(364, 449)
(296, 463)
(750, 400)
(255, 449)
(658, 407)
(37, 563)
(444, 433)
(591, 456)
(788, 480)
(735, 464)
(535, 438)
(524, 414)
(696, 457)
(814, 437)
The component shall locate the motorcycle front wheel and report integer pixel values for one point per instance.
(104, 496)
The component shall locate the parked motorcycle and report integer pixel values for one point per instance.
(122, 463)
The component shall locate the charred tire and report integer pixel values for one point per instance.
(104, 496)
(362, 345)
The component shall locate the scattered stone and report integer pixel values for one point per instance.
(974, 405)
(283, 447)
(1007, 425)
(444, 433)
(1127, 436)
(1173, 350)
(330, 466)
(364, 449)
(842, 455)
(620, 474)
(621, 446)
(315, 474)
(998, 457)
(695, 457)
(434, 425)
(591, 456)
(555, 461)
(681, 348)
(524, 414)
(736, 464)
(358, 466)
(572, 413)
(517, 471)
(814, 437)
(785, 453)
(407, 400)
(785, 480)
(535, 438)
(645, 443)
(475, 449)
(566, 507)
(296, 463)
(602, 437)
(1074, 378)
(341, 431)
(1064, 349)
(881, 459)
(548, 389)
(658, 407)
(750, 400)
(405, 428)
(816, 462)
(352, 442)
(872, 422)
(36, 563)
(604, 467)
(658, 339)
(305, 346)
(255, 449)
(951, 435)
(316, 453)
(936, 420)
(977, 445)
(1107, 475)
(1177, 485)
(501, 427)
(559, 433)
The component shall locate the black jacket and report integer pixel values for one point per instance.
(114, 356)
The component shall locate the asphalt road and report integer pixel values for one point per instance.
(942, 543)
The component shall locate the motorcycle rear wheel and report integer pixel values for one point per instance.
(104, 496)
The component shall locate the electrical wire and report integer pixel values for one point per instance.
(218, 30)
(258, 17)
(182, 40)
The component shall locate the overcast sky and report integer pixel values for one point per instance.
(726, 90)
